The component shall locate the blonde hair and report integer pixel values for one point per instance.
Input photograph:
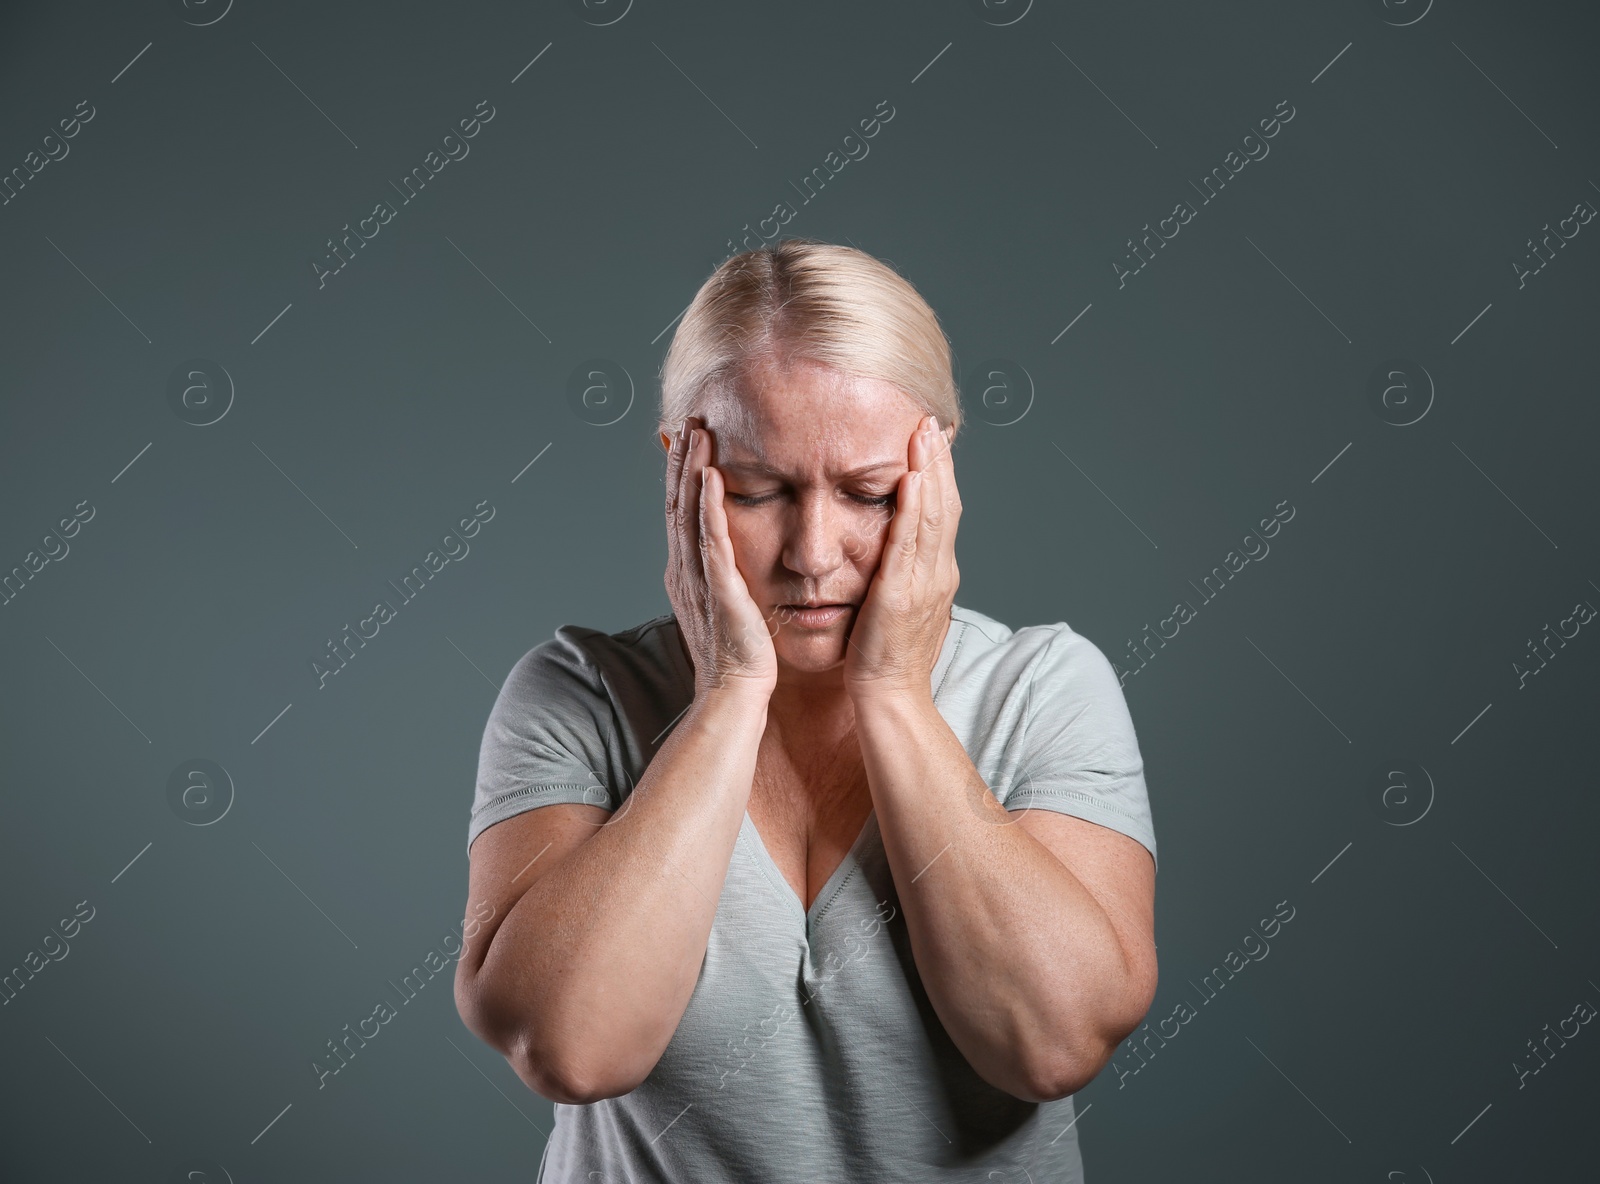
(804, 299)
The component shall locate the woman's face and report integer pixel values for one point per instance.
(811, 458)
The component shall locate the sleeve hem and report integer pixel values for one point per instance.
(1090, 809)
(531, 797)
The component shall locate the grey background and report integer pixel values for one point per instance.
(1379, 1040)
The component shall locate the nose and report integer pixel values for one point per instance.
(814, 543)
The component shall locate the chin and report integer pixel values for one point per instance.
(811, 654)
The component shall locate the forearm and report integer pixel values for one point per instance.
(1019, 960)
(596, 962)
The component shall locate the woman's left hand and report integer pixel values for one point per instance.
(899, 629)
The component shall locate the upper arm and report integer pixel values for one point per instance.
(510, 857)
(540, 792)
(550, 737)
(1075, 751)
(1079, 789)
(1120, 874)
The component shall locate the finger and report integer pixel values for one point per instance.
(677, 526)
(689, 515)
(717, 547)
(952, 501)
(722, 569)
(899, 551)
(674, 470)
(933, 519)
(690, 566)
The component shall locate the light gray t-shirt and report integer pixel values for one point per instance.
(809, 1050)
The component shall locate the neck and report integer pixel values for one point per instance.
(806, 702)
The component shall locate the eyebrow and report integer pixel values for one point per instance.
(767, 470)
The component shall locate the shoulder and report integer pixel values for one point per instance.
(991, 656)
(577, 659)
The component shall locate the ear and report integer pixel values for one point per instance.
(666, 442)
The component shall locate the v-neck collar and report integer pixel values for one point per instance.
(869, 829)
(835, 881)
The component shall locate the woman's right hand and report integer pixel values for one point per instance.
(722, 625)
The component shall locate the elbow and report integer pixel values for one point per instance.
(572, 1082)
(1063, 1078)
(1068, 1070)
(551, 1073)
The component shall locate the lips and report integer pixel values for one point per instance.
(821, 615)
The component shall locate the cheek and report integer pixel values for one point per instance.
(755, 543)
(865, 537)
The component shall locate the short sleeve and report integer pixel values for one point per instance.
(1079, 753)
(546, 738)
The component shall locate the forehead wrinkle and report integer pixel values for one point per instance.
(749, 410)
(764, 469)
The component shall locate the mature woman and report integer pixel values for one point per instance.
(820, 877)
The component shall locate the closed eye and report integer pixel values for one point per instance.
(746, 499)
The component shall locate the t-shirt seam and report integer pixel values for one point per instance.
(954, 654)
(1027, 713)
(1078, 794)
(778, 884)
(592, 668)
(840, 886)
